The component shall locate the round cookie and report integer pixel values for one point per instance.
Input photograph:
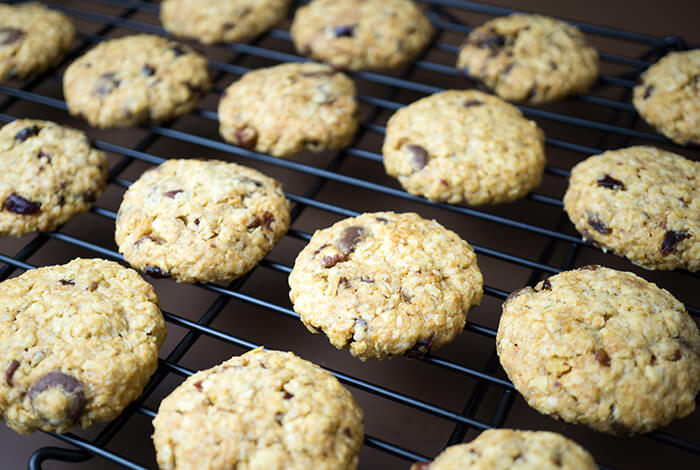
(603, 348)
(48, 173)
(135, 79)
(530, 58)
(361, 34)
(668, 96)
(212, 21)
(200, 221)
(464, 146)
(32, 39)
(262, 410)
(289, 108)
(384, 284)
(506, 449)
(78, 342)
(640, 202)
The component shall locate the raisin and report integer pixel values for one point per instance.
(173, 193)
(609, 182)
(198, 385)
(421, 466)
(287, 395)
(344, 31)
(514, 294)
(177, 50)
(10, 371)
(347, 432)
(381, 220)
(589, 267)
(71, 387)
(405, 297)
(531, 94)
(255, 223)
(495, 41)
(10, 35)
(67, 282)
(602, 357)
(267, 220)
(470, 103)
(671, 239)
(351, 236)
(106, 84)
(19, 205)
(508, 68)
(676, 355)
(598, 225)
(148, 70)
(155, 271)
(546, 285)
(648, 91)
(246, 137)
(330, 261)
(420, 349)
(419, 156)
(27, 132)
(45, 155)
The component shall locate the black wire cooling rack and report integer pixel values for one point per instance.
(517, 244)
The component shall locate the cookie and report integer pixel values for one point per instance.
(212, 21)
(603, 348)
(384, 284)
(529, 58)
(361, 34)
(639, 202)
(262, 410)
(200, 221)
(506, 449)
(135, 79)
(32, 39)
(289, 108)
(668, 96)
(464, 146)
(78, 342)
(48, 173)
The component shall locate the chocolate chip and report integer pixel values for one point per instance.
(421, 466)
(69, 385)
(155, 271)
(602, 357)
(106, 84)
(495, 41)
(546, 285)
(148, 70)
(648, 91)
(246, 137)
(598, 225)
(67, 282)
(287, 395)
(45, 155)
(470, 103)
(178, 50)
(420, 349)
(330, 261)
(10, 371)
(671, 239)
(10, 35)
(229, 25)
(19, 205)
(351, 236)
(676, 355)
(198, 385)
(381, 219)
(267, 220)
(173, 193)
(27, 132)
(347, 432)
(612, 183)
(419, 156)
(514, 294)
(344, 31)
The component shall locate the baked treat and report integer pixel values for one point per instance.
(212, 21)
(135, 79)
(384, 284)
(78, 342)
(200, 221)
(361, 34)
(48, 173)
(464, 146)
(289, 108)
(640, 202)
(668, 96)
(262, 410)
(32, 39)
(530, 58)
(601, 347)
(506, 449)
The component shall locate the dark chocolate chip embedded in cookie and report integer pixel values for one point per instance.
(384, 284)
(133, 80)
(640, 202)
(78, 342)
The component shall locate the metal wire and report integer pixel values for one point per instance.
(442, 15)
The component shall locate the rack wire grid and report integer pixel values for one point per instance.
(413, 407)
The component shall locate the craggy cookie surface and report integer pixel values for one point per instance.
(263, 410)
(211, 21)
(464, 146)
(199, 221)
(640, 202)
(32, 39)
(361, 34)
(289, 108)
(135, 79)
(48, 173)
(505, 449)
(601, 347)
(668, 96)
(529, 58)
(78, 342)
(384, 284)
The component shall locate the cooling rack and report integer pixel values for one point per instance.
(413, 407)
